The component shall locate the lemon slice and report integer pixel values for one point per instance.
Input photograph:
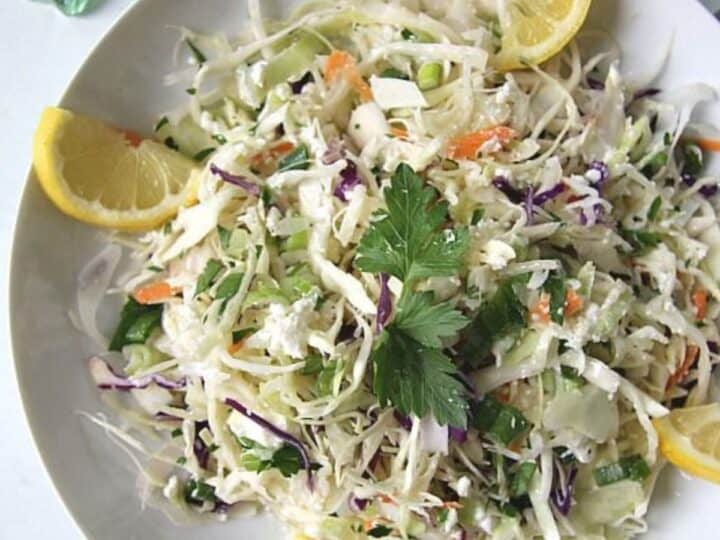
(690, 440)
(535, 30)
(104, 176)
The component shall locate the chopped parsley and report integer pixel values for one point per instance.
(200, 58)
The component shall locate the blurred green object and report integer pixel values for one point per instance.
(76, 7)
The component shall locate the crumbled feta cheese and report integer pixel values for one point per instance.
(497, 254)
(286, 329)
(391, 93)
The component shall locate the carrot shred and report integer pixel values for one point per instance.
(573, 303)
(540, 312)
(236, 347)
(133, 138)
(275, 151)
(467, 146)
(691, 355)
(700, 301)
(710, 145)
(342, 64)
(452, 504)
(386, 499)
(154, 292)
(399, 131)
(502, 394)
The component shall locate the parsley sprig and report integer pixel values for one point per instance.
(408, 241)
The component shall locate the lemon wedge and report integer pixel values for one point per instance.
(690, 440)
(108, 177)
(535, 30)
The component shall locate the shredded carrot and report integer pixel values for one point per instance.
(573, 303)
(386, 499)
(700, 301)
(154, 292)
(337, 63)
(452, 504)
(236, 347)
(540, 312)
(467, 146)
(516, 445)
(399, 131)
(691, 354)
(133, 138)
(341, 63)
(502, 394)
(710, 145)
(368, 525)
(270, 154)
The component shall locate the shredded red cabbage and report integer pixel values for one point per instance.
(603, 170)
(335, 151)
(528, 204)
(595, 84)
(403, 420)
(384, 308)
(458, 434)
(291, 440)
(645, 92)
(708, 190)
(350, 180)
(713, 347)
(297, 86)
(235, 180)
(503, 184)
(561, 496)
(107, 379)
(544, 196)
(356, 504)
(199, 449)
(688, 179)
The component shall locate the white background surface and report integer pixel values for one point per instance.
(40, 50)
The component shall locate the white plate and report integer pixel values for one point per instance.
(121, 82)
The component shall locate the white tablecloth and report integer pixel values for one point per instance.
(40, 50)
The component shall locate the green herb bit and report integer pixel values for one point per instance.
(477, 216)
(197, 491)
(177, 432)
(220, 139)
(655, 164)
(182, 460)
(631, 467)
(394, 73)
(212, 269)
(520, 482)
(200, 58)
(640, 240)
(191, 91)
(298, 159)
(154, 268)
(313, 365)
(171, 144)
(379, 531)
(137, 322)
(654, 209)
(162, 122)
(555, 287)
(229, 286)
(239, 335)
(203, 154)
(500, 316)
(504, 423)
(693, 159)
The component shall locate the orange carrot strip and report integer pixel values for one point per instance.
(452, 504)
(154, 292)
(236, 347)
(700, 301)
(540, 312)
(341, 63)
(691, 354)
(467, 146)
(338, 62)
(275, 151)
(133, 138)
(386, 499)
(399, 131)
(710, 145)
(573, 303)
